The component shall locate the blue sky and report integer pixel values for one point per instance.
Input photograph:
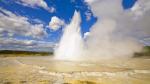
(32, 14)
(64, 10)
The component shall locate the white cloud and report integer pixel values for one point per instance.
(38, 21)
(146, 41)
(18, 25)
(13, 41)
(90, 1)
(38, 3)
(18, 44)
(55, 23)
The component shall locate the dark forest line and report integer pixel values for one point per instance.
(24, 53)
(144, 52)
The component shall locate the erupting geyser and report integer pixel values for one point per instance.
(116, 34)
(71, 44)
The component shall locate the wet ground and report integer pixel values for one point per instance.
(45, 70)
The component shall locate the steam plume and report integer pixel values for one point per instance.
(116, 33)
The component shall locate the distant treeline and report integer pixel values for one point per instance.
(17, 52)
(144, 52)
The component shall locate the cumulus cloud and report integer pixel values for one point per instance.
(37, 3)
(12, 24)
(55, 23)
(18, 44)
(90, 1)
(146, 41)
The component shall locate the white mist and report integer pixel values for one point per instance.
(115, 35)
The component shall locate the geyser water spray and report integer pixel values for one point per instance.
(71, 44)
